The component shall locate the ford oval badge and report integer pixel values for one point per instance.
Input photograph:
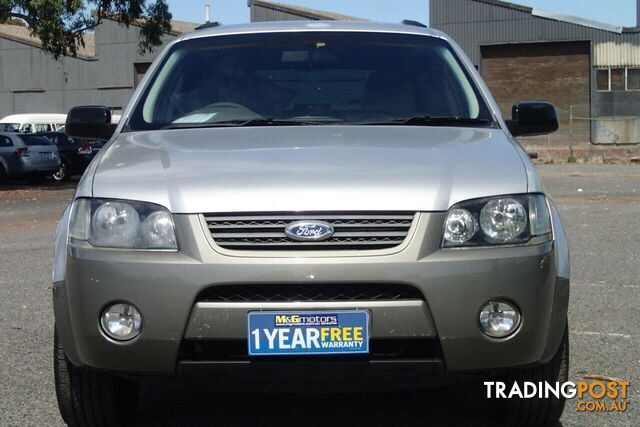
(309, 231)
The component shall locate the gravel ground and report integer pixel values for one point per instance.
(600, 205)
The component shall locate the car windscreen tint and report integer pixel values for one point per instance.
(32, 140)
(315, 77)
(9, 127)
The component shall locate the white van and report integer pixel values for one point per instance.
(32, 123)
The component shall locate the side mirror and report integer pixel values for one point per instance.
(90, 122)
(529, 118)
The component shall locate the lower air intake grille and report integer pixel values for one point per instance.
(369, 230)
(380, 349)
(310, 292)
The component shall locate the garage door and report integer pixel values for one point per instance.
(557, 72)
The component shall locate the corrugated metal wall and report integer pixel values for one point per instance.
(264, 13)
(33, 82)
(616, 53)
(120, 45)
(475, 23)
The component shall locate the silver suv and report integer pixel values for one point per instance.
(309, 204)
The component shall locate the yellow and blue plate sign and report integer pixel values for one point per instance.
(308, 333)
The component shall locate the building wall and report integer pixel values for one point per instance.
(117, 50)
(263, 13)
(476, 23)
(556, 72)
(31, 81)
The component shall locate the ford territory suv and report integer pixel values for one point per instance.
(309, 204)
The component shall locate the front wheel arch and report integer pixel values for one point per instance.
(60, 247)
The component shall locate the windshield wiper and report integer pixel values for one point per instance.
(434, 121)
(242, 123)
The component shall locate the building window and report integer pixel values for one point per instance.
(617, 79)
(633, 79)
(139, 70)
(603, 80)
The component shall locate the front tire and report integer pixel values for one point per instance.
(89, 398)
(62, 174)
(536, 411)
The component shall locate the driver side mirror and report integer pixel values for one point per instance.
(530, 118)
(90, 122)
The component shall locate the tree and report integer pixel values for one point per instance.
(61, 24)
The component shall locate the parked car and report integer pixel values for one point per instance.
(75, 154)
(334, 205)
(27, 156)
(32, 123)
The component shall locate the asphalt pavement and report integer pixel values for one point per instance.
(600, 205)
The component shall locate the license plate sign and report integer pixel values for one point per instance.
(46, 155)
(304, 333)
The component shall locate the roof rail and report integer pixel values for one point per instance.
(414, 23)
(208, 25)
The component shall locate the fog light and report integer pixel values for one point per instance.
(121, 321)
(499, 319)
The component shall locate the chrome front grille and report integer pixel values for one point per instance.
(353, 230)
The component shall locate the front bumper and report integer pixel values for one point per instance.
(455, 284)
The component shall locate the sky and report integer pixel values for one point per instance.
(618, 12)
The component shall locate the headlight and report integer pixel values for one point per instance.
(502, 220)
(115, 224)
(122, 224)
(460, 226)
(158, 230)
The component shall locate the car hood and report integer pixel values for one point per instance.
(310, 168)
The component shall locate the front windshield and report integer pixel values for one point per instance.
(311, 78)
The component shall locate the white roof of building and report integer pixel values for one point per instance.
(570, 19)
